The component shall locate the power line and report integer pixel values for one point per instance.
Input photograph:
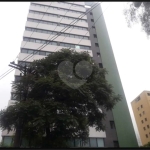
(69, 32)
(49, 36)
(11, 69)
(38, 22)
(96, 21)
(30, 36)
(79, 42)
(58, 34)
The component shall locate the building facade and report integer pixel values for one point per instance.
(141, 110)
(46, 19)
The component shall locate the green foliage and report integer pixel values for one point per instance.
(49, 111)
(4, 145)
(146, 145)
(138, 12)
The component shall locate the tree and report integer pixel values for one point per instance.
(146, 145)
(138, 12)
(64, 97)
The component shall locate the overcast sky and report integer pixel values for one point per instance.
(130, 46)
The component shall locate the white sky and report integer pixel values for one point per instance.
(131, 47)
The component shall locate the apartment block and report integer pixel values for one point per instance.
(141, 110)
(44, 21)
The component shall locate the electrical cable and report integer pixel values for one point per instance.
(58, 34)
(79, 42)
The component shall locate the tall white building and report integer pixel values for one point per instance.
(44, 21)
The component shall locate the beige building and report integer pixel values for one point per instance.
(141, 110)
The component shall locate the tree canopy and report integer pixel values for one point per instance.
(59, 98)
(138, 12)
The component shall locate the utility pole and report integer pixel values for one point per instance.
(17, 138)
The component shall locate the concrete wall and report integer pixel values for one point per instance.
(122, 118)
(109, 133)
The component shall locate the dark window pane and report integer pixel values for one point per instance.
(100, 142)
(93, 142)
(47, 53)
(95, 36)
(30, 51)
(85, 37)
(100, 65)
(77, 142)
(17, 78)
(36, 52)
(42, 53)
(14, 96)
(24, 51)
(86, 143)
(96, 44)
(112, 124)
(148, 94)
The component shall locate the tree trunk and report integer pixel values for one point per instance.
(17, 138)
(46, 142)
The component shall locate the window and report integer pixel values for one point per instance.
(85, 37)
(86, 143)
(140, 115)
(14, 96)
(77, 46)
(100, 65)
(144, 128)
(47, 53)
(148, 94)
(100, 142)
(138, 108)
(92, 20)
(77, 142)
(96, 44)
(30, 51)
(93, 142)
(38, 41)
(138, 98)
(146, 135)
(112, 124)
(116, 144)
(143, 112)
(142, 121)
(145, 119)
(95, 36)
(21, 63)
(17, 78)
(141, 106)
(148, 126)
(62, 44)
(72, 36)
(42, 53)
(98, 54)
(91, 13)
(24, 51)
